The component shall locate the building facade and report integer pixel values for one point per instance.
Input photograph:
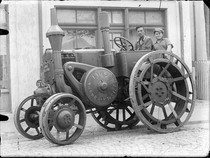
(28, 21)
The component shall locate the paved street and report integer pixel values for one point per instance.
(191, 140)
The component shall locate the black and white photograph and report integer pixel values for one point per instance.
(104, 78)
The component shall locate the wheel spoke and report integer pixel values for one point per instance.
(22, 109)
(67, 135)
(187, 110)
(158, 124)
(164, 112)
(106, 123)
(58, 135)
(173, 111)
(111, 111)
(150, 59)
(171, 80)
(128, 111)
(117, 114)
(78, 126)
(151, 75)
(145, 96)
(124, 115)
(26, 130)
(50, 124)
(38, 132)
(143, 84)
(179, 96)
(72, 102)
(32, 102)
(176, 62)
(164, 70)
(152, 109)
(178, 122)
(99, 117)
(147, 104)
(171, 58)
(22, 120)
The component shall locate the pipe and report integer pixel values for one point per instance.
(107, 59)
(55, 35)
(40, 35)
(104, 22)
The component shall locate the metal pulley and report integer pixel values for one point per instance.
(100, 86)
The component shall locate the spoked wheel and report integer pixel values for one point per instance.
(123, 43)
(169, 99)
(120, 114)
(117, 117)
(26, 116)
(68, 121)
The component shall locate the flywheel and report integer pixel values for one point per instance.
(100, 87)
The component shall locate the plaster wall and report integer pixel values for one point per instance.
(24, 49)
(186, 36)
(201, 52)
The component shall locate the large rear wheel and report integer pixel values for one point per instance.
(162, 91)
(118, 116)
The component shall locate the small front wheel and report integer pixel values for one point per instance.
(26, 116)
(68, 121)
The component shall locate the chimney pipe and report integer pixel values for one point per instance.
(104, 22)
(107, 58)
(55, 35)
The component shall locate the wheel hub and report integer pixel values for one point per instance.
(64, 119)
(159, 93)
(32, 117)
(102, 86)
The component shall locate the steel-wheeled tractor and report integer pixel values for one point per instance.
(118, 89)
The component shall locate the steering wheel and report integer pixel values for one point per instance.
(123, 44)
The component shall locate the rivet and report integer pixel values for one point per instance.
(70, 68)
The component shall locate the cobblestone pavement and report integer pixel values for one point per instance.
(191, 140)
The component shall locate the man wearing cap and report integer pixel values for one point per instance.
(144, 42)
(161, 43)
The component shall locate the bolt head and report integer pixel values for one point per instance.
(70, 68)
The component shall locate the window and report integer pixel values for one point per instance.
(79, 26)
(78, 39)
(136, 17)
(115, 17)
(149, 19)
(82, 29)
(66, 16)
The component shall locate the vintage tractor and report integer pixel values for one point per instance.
(119, 89)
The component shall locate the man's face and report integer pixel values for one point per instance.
(140, 31)
(158, 35)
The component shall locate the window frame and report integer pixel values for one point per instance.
(125, 27)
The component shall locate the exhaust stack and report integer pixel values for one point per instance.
(55, 35)
(107, 58)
